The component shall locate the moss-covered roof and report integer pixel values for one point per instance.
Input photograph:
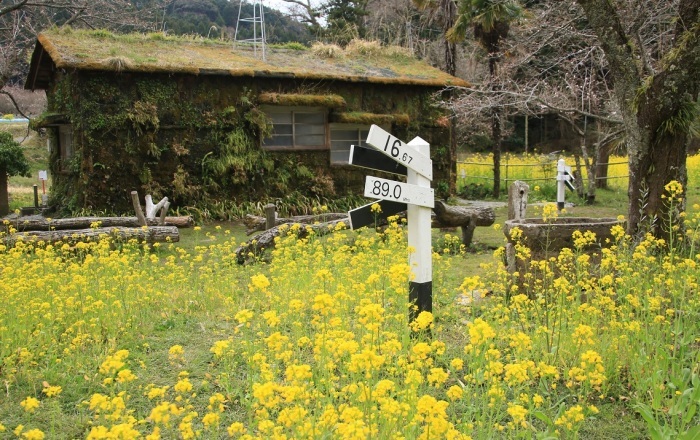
(104, 51)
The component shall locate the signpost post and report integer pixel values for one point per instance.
(564, 180)
(415, 196)
(43, 176)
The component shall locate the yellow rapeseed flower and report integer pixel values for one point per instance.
(30, 404)
(33, 434)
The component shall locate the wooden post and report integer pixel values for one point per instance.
(163, 213)
(270, 216)
(151, 209)
(517, 200)
(561, 186)
(517, 209)
(137, 207)
(420, 289)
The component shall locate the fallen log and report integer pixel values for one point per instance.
(445, 216)
(36, 223)
(151, 234)
(266, 240)
(254, 223)
(468, 218)
(451, 216)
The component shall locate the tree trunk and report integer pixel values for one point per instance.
(657, 109)
(496, 135)
(449, 11)
(4, 196)
(590, 172)
(602, 154)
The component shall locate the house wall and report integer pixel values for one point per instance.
(196, 139)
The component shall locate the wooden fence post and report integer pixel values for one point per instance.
(517, 209)
(270, 216)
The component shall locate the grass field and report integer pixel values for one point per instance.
(119, 340)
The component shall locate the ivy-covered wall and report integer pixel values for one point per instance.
(197, 138)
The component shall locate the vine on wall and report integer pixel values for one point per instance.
(194, 140)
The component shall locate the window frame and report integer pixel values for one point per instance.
(293, 111)
(338, 126)
(66, 150)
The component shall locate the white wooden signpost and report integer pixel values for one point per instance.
(565, 179)
(418, 197)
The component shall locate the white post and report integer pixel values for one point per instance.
(561, 185)
(420, 290)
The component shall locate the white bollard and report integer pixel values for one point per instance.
(561, 185)
(419, 238)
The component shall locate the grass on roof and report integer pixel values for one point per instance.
(360, 61)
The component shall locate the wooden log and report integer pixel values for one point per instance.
(256, 223)
(151, 209)
(137, 207)
(164, 213)
(468, 218)
(150, 234)
(266, 240)
(35, 223)
(451, 216)
(446, 216)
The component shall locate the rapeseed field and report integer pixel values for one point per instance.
(106, 340)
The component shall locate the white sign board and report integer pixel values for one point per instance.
(384, 189)
(402, 153)
(43, 175)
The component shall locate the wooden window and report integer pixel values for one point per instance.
(296, 128)
(65, 145)
(344, 135)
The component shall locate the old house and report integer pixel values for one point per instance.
(198, 120)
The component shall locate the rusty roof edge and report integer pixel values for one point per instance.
(52, 51)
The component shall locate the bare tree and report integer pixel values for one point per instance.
(307, 12)
(628, 68)
(22, 20)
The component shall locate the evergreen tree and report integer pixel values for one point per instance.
(346, 20)
(12, 163)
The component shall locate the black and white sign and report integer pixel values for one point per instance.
(364, 216)
(383, 189)
(400, 152)
(374, 160)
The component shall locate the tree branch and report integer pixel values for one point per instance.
(8, 9)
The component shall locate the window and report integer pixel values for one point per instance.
(297, 128)
(344, 135)
(65, 144)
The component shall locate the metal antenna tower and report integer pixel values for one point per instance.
(258, 21)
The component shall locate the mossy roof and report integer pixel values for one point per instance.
(104, 51)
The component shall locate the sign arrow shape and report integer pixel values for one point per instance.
(399, 151)
(384, 189)
(363, 216)
(374, 160)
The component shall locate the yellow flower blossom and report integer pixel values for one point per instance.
(30, 404)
